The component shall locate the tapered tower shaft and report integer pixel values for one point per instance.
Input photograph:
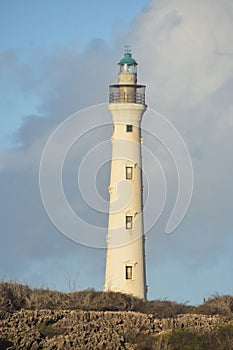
(125, 260)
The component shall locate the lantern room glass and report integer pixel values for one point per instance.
(128, 68)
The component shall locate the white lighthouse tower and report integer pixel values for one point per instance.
(125, 260)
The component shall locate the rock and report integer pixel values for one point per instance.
(62, 329)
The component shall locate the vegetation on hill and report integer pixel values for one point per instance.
(54, 326)
(15, 296)
(220, 338)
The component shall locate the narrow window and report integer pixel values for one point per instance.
(129, 272)
(129, 172)
(129, 128)
(129, 222)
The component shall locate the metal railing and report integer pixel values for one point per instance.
(126, 98)
(127, 94)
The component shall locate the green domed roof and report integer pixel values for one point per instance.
(127, 59)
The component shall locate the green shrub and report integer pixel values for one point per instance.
(220, 338)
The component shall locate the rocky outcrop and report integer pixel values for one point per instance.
(53, 329)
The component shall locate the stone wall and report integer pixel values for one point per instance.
(50, 330)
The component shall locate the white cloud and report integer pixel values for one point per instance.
(185, 48)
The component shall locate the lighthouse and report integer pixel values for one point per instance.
(125, 257)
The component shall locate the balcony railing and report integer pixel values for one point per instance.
(127, 94)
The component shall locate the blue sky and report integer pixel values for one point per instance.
(44, 25)
(57, 57)
(52, 22)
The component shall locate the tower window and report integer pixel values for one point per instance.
(129, 128)
(129, 222)
(129, 172)
(129, 272)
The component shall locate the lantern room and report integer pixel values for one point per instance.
(127, 64)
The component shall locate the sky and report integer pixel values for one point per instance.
(58, 57)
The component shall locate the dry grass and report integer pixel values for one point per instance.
(15, 296)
